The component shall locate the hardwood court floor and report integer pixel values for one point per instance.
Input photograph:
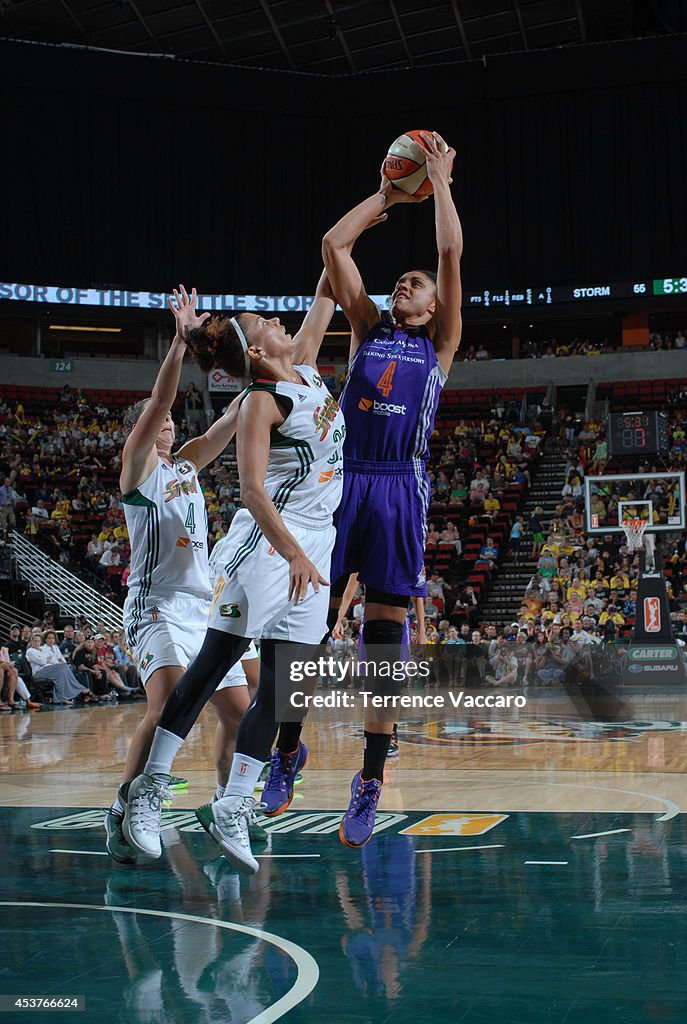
(528, 870)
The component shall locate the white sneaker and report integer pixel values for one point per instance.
(141, 824)
(256, 833)
(227, 822)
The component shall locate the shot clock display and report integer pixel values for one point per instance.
(671, 286)
(637, 433)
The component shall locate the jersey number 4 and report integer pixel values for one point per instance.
(190, 523)
(386, 381)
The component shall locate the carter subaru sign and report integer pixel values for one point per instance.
(654, 663)
(653, 654)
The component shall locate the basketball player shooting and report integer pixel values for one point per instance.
(398, 364)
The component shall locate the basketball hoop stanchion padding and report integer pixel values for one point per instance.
(653, 656)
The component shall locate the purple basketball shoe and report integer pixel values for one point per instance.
(278, 790)
(359, 820)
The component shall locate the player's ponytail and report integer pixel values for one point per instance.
(219, 341)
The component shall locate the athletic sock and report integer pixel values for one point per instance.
(219, 791)
(289, 736)
(376, 749)
(118, 807)
(383, 640)
(244, 775)
(162, 752)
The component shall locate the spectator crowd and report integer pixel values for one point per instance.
(552, 348)
(59, 467)
(75, 664)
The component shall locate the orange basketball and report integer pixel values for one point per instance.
(406, 165)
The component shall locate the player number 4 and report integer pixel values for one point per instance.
(386, 381)
(190, 523)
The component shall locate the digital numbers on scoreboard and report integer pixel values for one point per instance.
(670, 286)
(637, 433)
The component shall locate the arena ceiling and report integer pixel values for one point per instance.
(336, 37)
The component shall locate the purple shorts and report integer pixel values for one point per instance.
(381, 526)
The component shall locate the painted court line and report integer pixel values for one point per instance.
(85, 853)
(672, 809)
(272, 856)
(308, 972)
(454, 849)
(560, 863)
(291, 856)
(595, 835)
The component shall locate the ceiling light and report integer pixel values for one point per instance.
(86, 330)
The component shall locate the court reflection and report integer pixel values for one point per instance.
(547, 917)
(182, 970)
(386, 901)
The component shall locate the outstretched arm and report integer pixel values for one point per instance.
(138, 456)
(337, 246)
(317, 320)
(447, 316)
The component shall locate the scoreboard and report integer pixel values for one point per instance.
(637, 433)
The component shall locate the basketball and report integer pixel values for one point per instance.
(406, 165)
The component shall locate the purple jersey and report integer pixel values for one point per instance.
(389, 402)
(391, 395)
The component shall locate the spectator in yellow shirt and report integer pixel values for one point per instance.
(491, 505)
(614, 614)
(61, 511)
(577, 590)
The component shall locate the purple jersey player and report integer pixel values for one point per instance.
(397, 368)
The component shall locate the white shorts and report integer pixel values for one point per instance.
(169, 630)
(251, 592)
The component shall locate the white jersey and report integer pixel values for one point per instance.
(167, 524)
(305, 468)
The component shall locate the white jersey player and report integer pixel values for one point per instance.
(303, 480)
(289, 443)
(171, 581)
(167, 606)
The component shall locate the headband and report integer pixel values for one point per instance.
(244, 344)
